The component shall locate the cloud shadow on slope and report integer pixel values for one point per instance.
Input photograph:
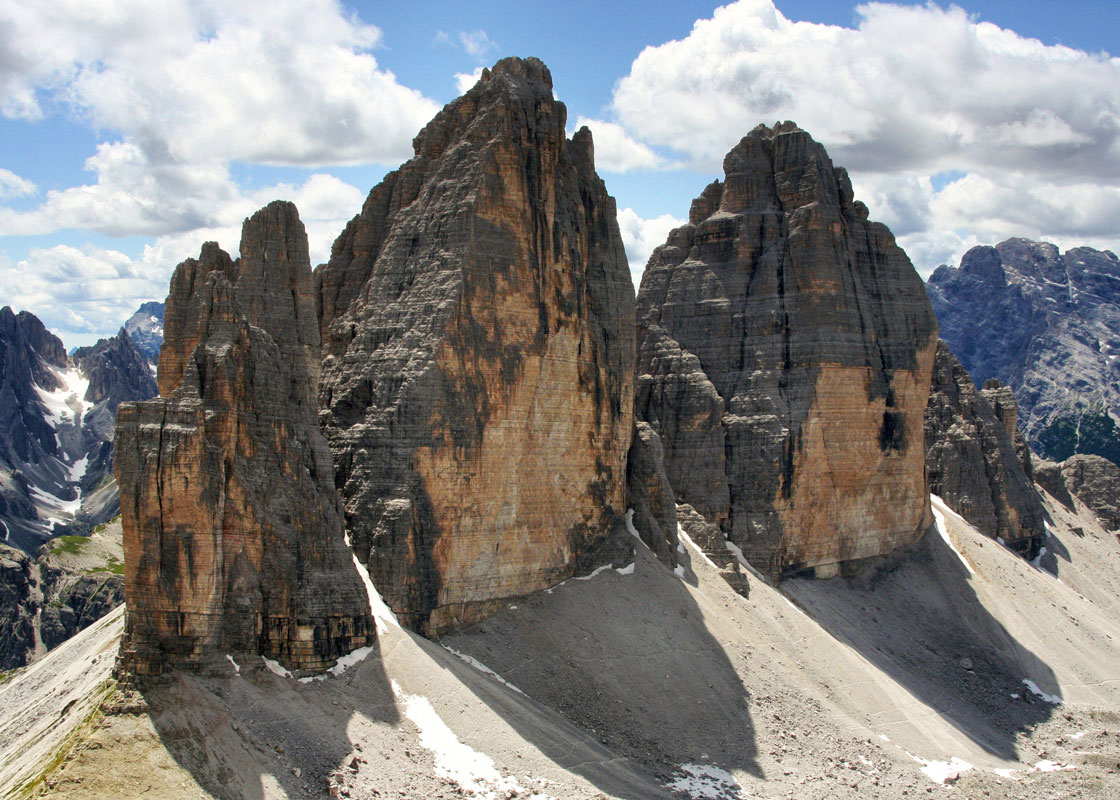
(234, 734)
(628, 660)
(919, 620)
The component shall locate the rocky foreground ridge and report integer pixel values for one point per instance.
(785, 349)
(1051, 324)
(233, 534)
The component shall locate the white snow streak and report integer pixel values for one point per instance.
(1053, 699)
(7, 530)
(236, 666)
(939, 512)
(382, 614)
(473, 771)
(276, 668)
(627, 570)
(682, 536)
(474, 662)
(66, 506)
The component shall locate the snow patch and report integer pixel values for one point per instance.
(66, 401)
(704, 781)
(78, 469)
(939, 512)
(382, 614)
(1050, 766)
(236, 666)
(603, 568)
(679, 570)
(630, 527)
(474, 662)
(627, 570)
(737, 551)
(1053, 699)
(474, 772)
(65, 506)
(682, 536)
(275, 667)
(7, 530)
(942, 771)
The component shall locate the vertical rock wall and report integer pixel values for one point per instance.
(786, 345)
(478, 333)
(232, 530)
(974, 453)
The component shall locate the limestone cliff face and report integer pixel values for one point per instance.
(477, 322)
(974, 457)
(786, 346)
(233, 534)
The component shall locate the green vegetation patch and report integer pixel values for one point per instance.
(71, 545)
(114, 566)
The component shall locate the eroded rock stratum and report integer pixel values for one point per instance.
(478, 336)
(233, 533)
(786, 346)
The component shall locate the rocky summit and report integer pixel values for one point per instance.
(233, 535)
(478, 342)
(976, 458)
(785, 350)
(1051, 331)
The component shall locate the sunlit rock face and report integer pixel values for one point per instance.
(233, 532)
(478, 336)
(785, 351)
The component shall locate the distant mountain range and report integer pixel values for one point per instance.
(57, 417)
(1047, 324)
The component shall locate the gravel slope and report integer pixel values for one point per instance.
(638, 683)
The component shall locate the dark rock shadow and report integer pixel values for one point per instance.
(918, 619)
(238, 732)
(626, 658)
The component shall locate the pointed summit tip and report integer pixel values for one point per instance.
(530, 69)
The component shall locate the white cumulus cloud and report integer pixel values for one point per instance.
(910, 92)
(617, 151)
(465, 81)
(477, 43)
(12, 185)
(640, 236)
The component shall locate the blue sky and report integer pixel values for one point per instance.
(133, 131)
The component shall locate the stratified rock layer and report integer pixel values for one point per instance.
(478, 337)
(972, 461)
(1047, 324)
(232, 530)
(786, 345)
